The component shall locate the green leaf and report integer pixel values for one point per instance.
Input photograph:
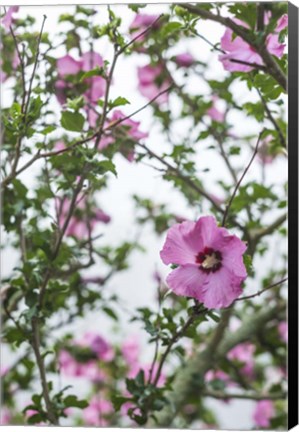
(35, 418)
(75, 104)
(171, 27)
(48, 130)
(34, 108)
(214, 317)
(119, 101)
(118, 401)
(106, 166)
(135, 7)
(110, 312)
(97, 71)
(72, 121)
(248, 264)
(72, 401)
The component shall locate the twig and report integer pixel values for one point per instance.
(262, 291)
(272, 119)
(240, 181)
(186, 179)
(258, 397)
(174, 339)
(147, 30)
(34, 66)
(41, 367)
(260, 16)
(272, 67)
(112, 125)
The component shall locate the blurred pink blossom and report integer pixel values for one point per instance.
(130, 350)
(82, 221)
(152, 82)
(97, 411)
(146, 369)
(71, 367)
(67, 65)
(244, 353)
(5, 416)
(8, 18)
(263, 413)
(97, 344)
(96, 85)
(239, 50)
(282, 23)
(130, 129)
(212, 375)
(140, 24)
(283, 331)
(184, 60)
(214, 112)
(264, 155)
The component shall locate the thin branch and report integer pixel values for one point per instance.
(262, 291)
(41, 367)
(260, 16)
(112, 125)
(240, 181)
(35, 65)
(175, 338)
(184, 383)
(144, 32)
(257, 234)
(257, 397)
(255, 65)
(186, 179)
(272, 67)
(272, 119)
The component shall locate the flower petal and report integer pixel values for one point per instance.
(221, 289)
(182, 244)
(232, 256)
(187, 281)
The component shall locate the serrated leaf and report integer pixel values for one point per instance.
(106, 166)
(72, 401)
(119, 101)
(72, 121)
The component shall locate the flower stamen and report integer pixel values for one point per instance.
(209, 260)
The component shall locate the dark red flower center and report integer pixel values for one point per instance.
(210, 260)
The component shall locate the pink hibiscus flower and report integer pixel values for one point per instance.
(214, 112)
(212, 375)
(244, 354)
(282, 23)
(151, 82)
(5, 416)
(263, 413)
(283, 331)
(129, 128)
(90, 370)
(7, 19)
(264, 155)
(146, 369)
(239, 50)
(97, 344)
(97, 412)
(130, 350)
(184, 60)
(140, 23)
(96, 85)
(210, 262)
(83, 220)
(68, 365)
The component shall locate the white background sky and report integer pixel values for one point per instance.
(144, 181)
